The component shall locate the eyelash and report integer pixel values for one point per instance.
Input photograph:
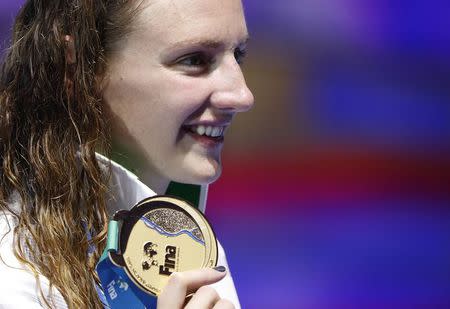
(239, 55)
(202, 61)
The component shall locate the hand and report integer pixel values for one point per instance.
(182, 284)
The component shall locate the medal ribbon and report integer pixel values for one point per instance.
(119, 290)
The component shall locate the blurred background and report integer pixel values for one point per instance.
(336, 186)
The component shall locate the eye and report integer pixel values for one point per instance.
(192, 60)
(239, 54)
(195, 63)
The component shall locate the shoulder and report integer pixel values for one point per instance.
(18, 285)
(7, 225)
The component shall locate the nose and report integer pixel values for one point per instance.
(230, 91)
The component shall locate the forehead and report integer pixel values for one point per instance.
(171, 21)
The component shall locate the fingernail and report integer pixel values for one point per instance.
(220, 268)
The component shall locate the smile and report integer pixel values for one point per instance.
(209, 131)
(206, 135)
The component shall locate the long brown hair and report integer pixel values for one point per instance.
(51, 124)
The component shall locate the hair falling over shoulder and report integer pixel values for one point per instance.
(51, 124)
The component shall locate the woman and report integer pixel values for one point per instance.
(160, 81)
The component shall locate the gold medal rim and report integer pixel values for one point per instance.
(211, 254)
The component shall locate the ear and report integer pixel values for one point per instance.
(71, 56)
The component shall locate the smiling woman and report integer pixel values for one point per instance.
(174, 93)
(152, 83)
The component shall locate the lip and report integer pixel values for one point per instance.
(213, 123)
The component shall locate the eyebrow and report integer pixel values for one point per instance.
(207, 44)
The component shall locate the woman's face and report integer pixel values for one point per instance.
(174, 85)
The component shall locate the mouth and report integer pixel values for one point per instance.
(206, 134)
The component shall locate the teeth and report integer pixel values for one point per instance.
(201, 130)
(208, 130)
(215, 132)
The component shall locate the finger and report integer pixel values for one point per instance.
(224, 304)
(180, 284)
(205, 297)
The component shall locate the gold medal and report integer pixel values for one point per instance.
(162, 235)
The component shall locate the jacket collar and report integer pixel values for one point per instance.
(126, 190)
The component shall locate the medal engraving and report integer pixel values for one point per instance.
(163, 235)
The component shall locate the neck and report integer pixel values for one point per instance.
(135, 164)
(157, 184)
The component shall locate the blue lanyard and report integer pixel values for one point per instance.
(119, 291)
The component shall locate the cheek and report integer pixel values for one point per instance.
(149, 100)
(134, 96)
(125, 93)
(184, 95)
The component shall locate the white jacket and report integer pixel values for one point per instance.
(18, 287)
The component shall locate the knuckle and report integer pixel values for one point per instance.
(225, 304)
(208, 291)
(176, 280)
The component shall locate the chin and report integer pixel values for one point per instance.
(208, 179)
(203, 174)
